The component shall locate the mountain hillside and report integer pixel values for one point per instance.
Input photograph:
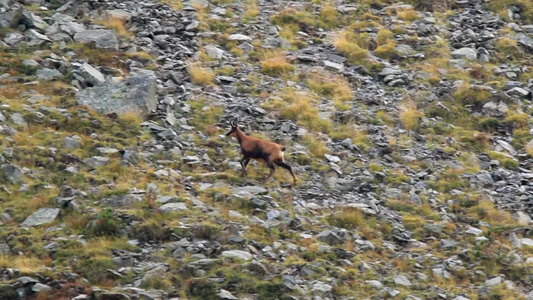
(409, 126)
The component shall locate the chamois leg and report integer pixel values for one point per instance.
(282, 164)
(272, 169)
(244, 162)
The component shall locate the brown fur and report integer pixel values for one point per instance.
(253, 148)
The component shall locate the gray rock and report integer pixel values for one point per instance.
(248, 190)
(205, 263)
(73, 142)
(214, 52)
(125, 201)
(521, 218)
(107, 150)
(340, 183)
(167, 199)
(91, 75)
(321, 289)
(156, 272)
(483, 178)
(404, 49)
(329, 237)
(119, 14)
(39, 287)
(527, 42)
(4, 249)
(26, 280)
(375, 284)
(494, 281)
(30, 63)
(237, 254)
(239, 37)
(527, 242)
(137, 93)
(330, 65)
(402, 280)
(515, 241)
(37, 38)
(465, 53)
(193, 26)
(96, 161)
(474, 231)
(48, 74)
(389, 71)
(246, 47)
(101, 38)
(13, 38)
(170, 207)
(518, 91)
(457, 63)
(332, 158)
(11, 17)
(223, 294)
(41, 216)
(12, 173)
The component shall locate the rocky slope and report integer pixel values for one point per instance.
(408, 124)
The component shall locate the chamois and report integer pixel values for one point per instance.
(260, 150)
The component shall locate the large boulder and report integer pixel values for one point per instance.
(465, 53)
(136, 93)
(11, 173)
(42, 216)
(101, 38)
(11, 16)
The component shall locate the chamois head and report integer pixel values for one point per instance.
(233, 130)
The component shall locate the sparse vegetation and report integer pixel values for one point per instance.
(201, 76)
(275, 63)
(347, 44)
(410, 116)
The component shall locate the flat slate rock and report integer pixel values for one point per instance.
(237, 254)
(42, 216)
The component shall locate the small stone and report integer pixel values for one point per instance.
(321, 289)
(494, 281)
(214, 52)
(474, 231)
(48, 74)
(402, 280)
(73, 142)
(237, 254)
(239, 37)
(171, 207)
(223, 294)
(39, 287)
(465, 53)
(97, 161)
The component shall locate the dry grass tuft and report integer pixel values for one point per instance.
(118, 24)
(407, 15)
(508, 48)
(347, 44)
(201, 75)
(275, 63)
(331, 86)
(23, 263)
(410, 116)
